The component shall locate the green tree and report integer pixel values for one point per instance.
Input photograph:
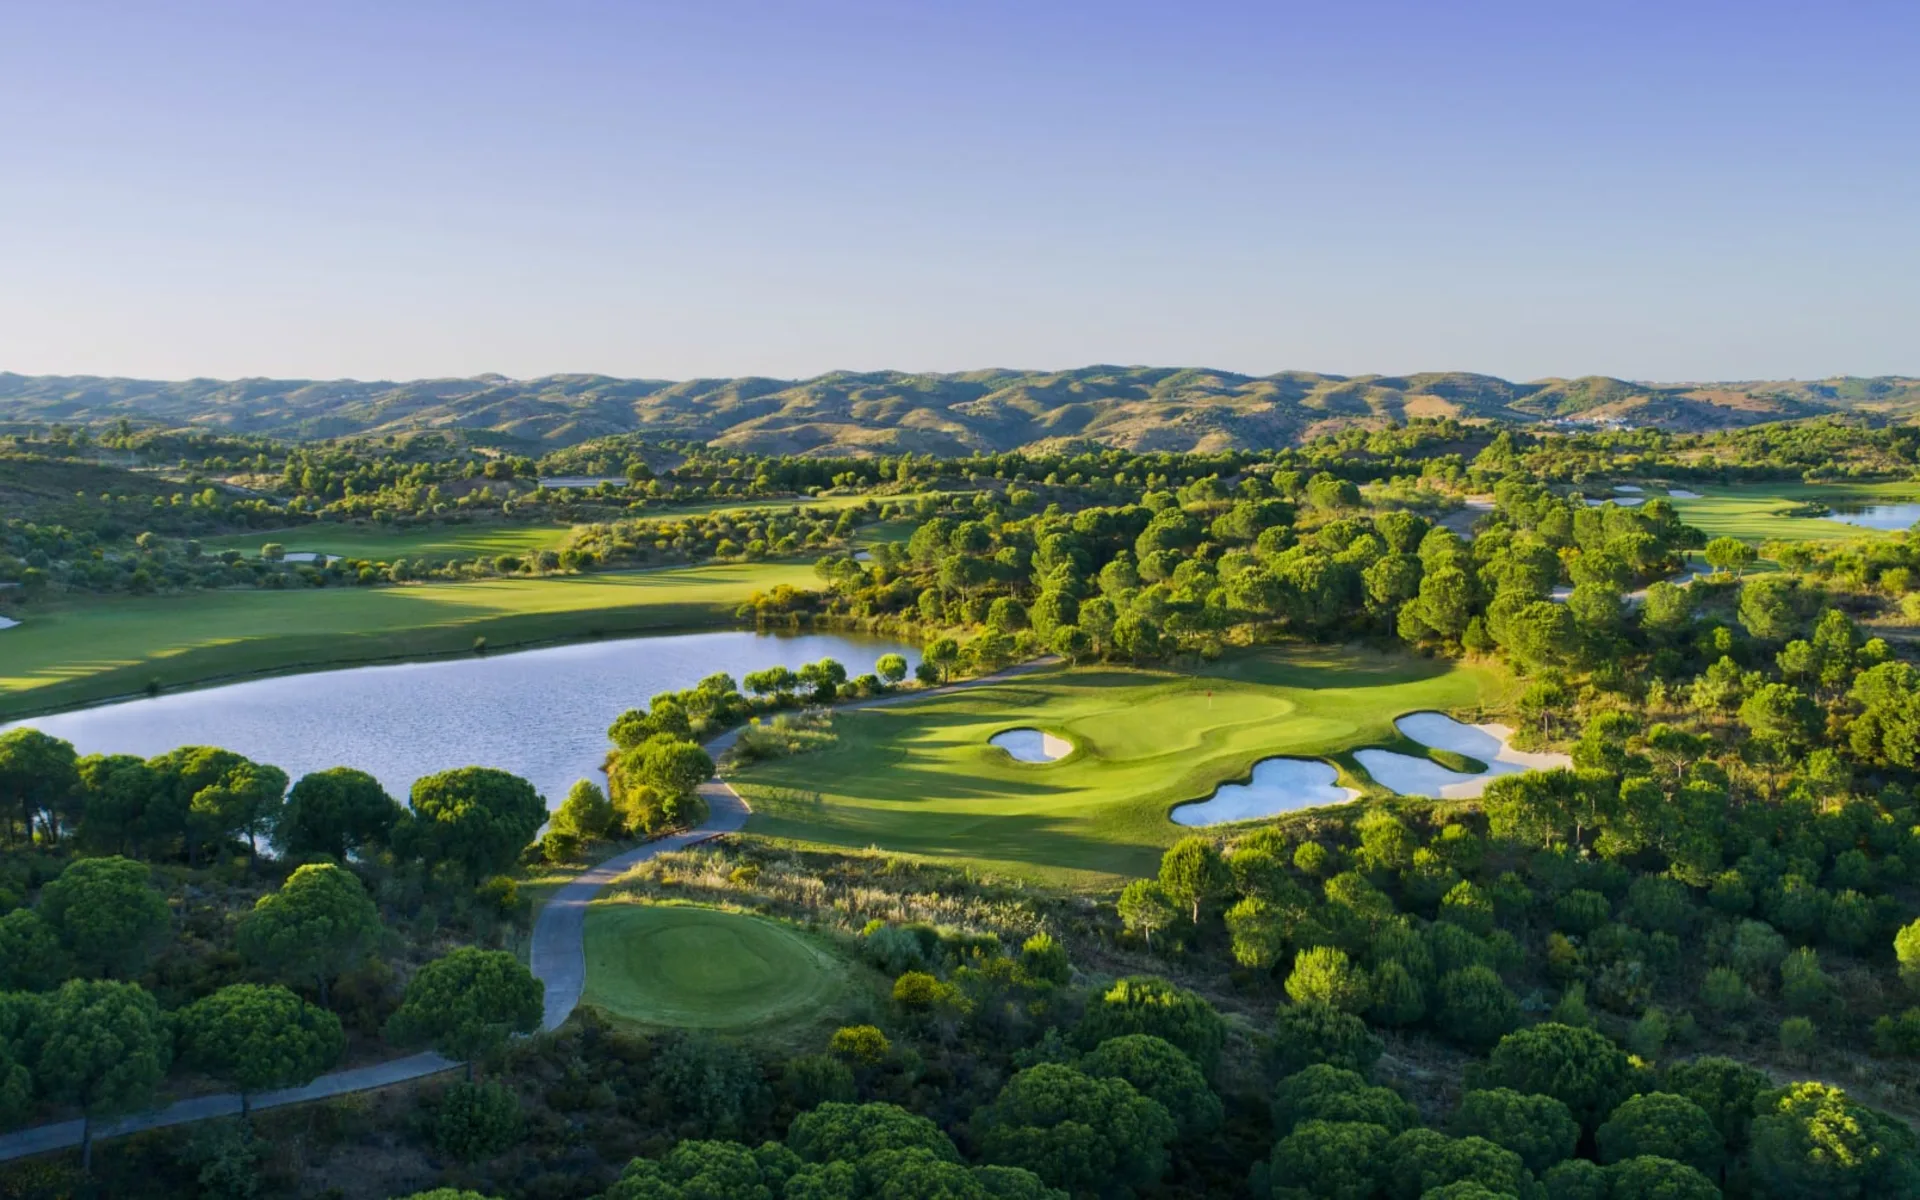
(1326, 1093)
(259, 1039)
(1331, 1160)
(1810, 1142)
(1730, 554)
(586, 813)
(338, 812)
(1906, 949)
(1653, 1178)
(943, 653)
(105, 914)
(892, 668)
(1539, 1129)
(320, 924)
(1476, 1009)
(1661, 1125)
(101, 1047)
(1150, 1005)
(31, 958)
(1144, 908)
(476, 817)
(1578, 1067)
(1158, 1070)
(1766, 607)
(1075, 1131)
(1305, 1034)
(1323, 975)
(1420, 1161)
(1192, 873)
(1258, 930)
(1723, 1089)
(473, 1121)
(42, 775)
(467, 1003)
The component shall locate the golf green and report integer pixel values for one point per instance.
(922, 777)
(704, 968)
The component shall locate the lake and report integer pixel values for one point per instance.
(541, 714)
(1887, 515)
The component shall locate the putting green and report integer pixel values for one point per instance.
(922, 777)
(704, 968)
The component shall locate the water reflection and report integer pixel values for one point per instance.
(542, 714)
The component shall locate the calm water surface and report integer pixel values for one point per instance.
(1888, 515)
(541, 714)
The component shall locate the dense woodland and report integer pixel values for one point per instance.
(1687, 966)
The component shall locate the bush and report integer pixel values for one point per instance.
(472, 1121)
(1324, 1093)
(862, 1044)
(1537, 1128)
(814, 1079)
(1150, 1005)
(1305, 1034)
(1476, 1009)
(1159, 1071)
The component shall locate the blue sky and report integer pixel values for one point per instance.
(1682, 190)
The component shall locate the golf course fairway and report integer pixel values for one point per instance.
(705, 968)
(922, 778)
(85, 650)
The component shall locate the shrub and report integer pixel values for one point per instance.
(1323, 975)
(472, 1121)
(1147, 1004)
(1305, 1034)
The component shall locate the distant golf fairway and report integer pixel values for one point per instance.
(76, 651)
(921, 778)
(1754, 512)
(704, 968)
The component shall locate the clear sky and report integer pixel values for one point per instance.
(1687, 189)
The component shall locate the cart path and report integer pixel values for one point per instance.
(557, 956)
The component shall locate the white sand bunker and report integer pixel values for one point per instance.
(1627, 487)
(1682, 494)
(1032, 745)
(7, 623)
(1278, 785)
(1411, 776)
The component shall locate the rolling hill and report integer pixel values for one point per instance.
(1140, 408)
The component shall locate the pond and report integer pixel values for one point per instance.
(1278, 785)
(1885, 515)
(541, 714)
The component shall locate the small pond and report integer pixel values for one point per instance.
(1032, 745)
(1885, 515)
(1278, 785)
(541, 714)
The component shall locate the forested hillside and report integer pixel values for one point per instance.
(1136, 408)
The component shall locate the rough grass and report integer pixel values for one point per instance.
(690, 967)
(921, 779)
(77, 652)
(1759, 512)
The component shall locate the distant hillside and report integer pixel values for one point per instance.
(1140, 408)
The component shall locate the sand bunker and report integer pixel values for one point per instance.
(1278, 785)
(1411, 776)
(1032, 745)
(1682, 494)
(1627, 487)
(7, 623)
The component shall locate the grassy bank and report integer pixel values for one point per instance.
(90, 650)
(921, 778)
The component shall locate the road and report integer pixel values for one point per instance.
(557, 955)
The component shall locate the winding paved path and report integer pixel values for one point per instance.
(557, 954)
